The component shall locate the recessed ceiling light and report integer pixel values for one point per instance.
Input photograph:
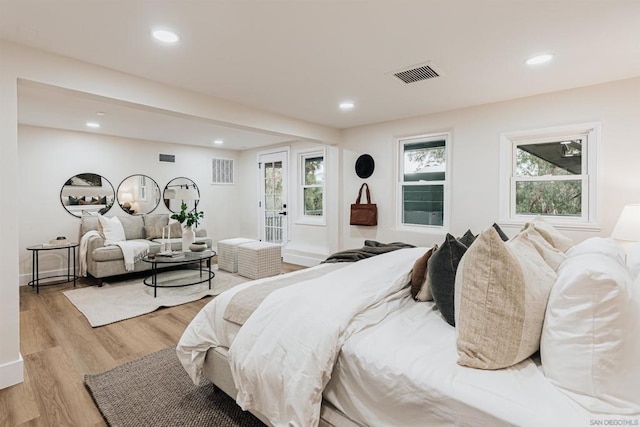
(165, 36)
(539, 59)
(101, 113)
(218, 142)
(93, 125)
(347, 105)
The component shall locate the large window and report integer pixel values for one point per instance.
(551, 172)
(422, 181)
(312, 185)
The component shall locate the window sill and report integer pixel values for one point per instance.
(436, 230)
(315, 222)
(560, 225)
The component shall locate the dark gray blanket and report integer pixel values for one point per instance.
(370, 248)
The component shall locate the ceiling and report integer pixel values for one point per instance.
(300, 58)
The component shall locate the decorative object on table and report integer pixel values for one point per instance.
(364, 213)
(59, 241)
(198, 246)
(188, 219)
(365, 166)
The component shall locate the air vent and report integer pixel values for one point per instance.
(170, 158)
(221, 171)
(416, 73)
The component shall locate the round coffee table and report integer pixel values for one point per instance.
(179, 259)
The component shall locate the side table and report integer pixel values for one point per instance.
(35, 264)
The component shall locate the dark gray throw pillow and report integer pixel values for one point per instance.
(467, 239)
(503, 236)
(441, 269)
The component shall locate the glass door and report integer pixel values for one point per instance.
(272, 209)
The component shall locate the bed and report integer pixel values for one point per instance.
(393, 361)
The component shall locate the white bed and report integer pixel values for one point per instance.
(401, 371)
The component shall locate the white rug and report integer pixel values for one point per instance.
(123, 300)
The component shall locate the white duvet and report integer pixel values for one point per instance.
(283, 356)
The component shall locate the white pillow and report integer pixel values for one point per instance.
(633, 261)
(599, 245)
(111, 230)
(551, 234)
(590, 345)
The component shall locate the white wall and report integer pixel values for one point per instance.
(307, 244)
(48, 157)
(475, 168)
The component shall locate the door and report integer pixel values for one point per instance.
(272, 207)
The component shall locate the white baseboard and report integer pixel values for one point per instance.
(309, 260)
(27, 277)
(12, 373)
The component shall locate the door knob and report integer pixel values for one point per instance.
(282, 213)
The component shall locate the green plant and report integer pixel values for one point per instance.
(190, 218)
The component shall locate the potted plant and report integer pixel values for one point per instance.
(188, 219)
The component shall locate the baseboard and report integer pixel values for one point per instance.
(304, 260)
(12, 373)
(25, 278)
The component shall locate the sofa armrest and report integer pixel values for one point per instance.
(201, 232)
(94, 243)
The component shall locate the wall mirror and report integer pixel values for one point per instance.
(180, 190)
(138, 194)
(87, 194)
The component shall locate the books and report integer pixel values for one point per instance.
(173, 254)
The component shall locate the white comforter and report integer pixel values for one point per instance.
(283, 356)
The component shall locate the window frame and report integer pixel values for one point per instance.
(446, 183)
(510, 141)
(311, 219)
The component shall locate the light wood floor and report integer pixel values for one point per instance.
(59, 348)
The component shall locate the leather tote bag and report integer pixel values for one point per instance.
(364, 213)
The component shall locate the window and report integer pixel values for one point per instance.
(423, 188)
(312, 184)
(550, 172)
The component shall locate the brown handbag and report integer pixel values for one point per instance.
(364, 213)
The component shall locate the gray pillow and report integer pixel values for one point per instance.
(441, 269)
(467, 239)
(503, 236)
(156, 220)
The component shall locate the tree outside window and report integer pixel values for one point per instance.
(313, 185)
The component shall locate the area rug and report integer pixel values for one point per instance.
(118, 301)
(156, 391)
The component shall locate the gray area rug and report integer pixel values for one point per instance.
(116, 301)
(156, 391)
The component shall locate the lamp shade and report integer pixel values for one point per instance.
(628, 225)
(126, 197)
(187, 194)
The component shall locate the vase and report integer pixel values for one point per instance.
(188, 237)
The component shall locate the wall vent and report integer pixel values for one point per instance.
(416, 73)
(170, 158)
(221, 171)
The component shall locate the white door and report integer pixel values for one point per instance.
(272, 207)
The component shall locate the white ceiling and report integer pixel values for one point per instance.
(301, 58)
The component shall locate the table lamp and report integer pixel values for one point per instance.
(627, 229)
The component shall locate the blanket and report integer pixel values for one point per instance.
(133, 251)
(82, 255)
(370, 248)
(283, 356)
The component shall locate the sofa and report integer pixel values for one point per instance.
(104, 261)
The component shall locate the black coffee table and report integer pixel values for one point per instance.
(182, 259)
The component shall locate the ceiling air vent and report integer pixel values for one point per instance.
(416, 73)
(170, 158)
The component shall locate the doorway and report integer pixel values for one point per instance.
(272, 207)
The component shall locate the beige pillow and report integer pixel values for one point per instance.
(501, 295)
(155, 231)
(552, 256)
(420, 288)
(551, 234)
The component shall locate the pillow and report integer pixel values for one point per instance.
(467, 239)
(552, 256)
(175, 229)
(501, 294)
(551, 234)
(420, 288)
(599, 245)
(75, 200)
(633, 261)
(111, 230)
(590, 346)
(153, 231)
(503, 236)
(441, 272)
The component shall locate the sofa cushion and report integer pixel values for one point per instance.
(88, 223)
(133, 226)
(155, 220)
(114, 253)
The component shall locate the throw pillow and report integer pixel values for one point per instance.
(590, 346)
(552, 256)
(467, 238)
(153, 231)
(441, 270)
(111, 230)
(501, 294)
(551, 234)
(420, 289)
(599, 245)
(503, 236)
(175, 229)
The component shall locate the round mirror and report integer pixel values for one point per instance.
(138, 194)
(87, 194)
(181, 190)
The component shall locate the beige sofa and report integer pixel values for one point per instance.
(104, 261)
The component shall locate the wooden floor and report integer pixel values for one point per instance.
(59, 348)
